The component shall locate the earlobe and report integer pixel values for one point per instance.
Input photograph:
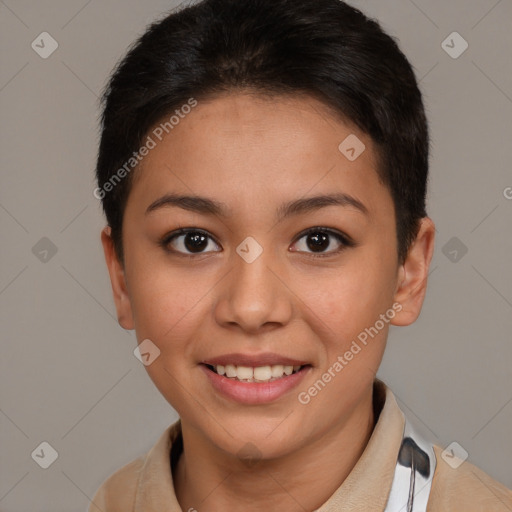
(413, 274)
(117, 280)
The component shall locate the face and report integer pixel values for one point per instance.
(263, 275)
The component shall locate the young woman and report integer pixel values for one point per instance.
(263, 168)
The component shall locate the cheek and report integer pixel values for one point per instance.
(352, 297)
(167, 309)
(162, 298)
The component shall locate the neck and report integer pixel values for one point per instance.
(206, 478)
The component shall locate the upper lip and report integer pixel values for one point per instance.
(266, 359)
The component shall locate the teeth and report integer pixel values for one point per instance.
(257, 374)
(230, 370)
(244, 372)
(277, 370)
(262, 373)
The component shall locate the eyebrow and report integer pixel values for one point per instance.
(208, 206)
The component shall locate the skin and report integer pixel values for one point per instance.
(254, 153)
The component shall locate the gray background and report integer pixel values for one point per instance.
(68, 373)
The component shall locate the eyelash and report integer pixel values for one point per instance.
(345, 241)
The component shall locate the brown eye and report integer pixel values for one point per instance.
(322, 242)
(188, 242)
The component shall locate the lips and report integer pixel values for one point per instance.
(253, 392)
(254, 378)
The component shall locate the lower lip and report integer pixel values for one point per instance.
(254, 392)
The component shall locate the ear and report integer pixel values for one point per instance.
(413, 274)
(117, 280)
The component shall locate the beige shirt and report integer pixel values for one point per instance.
(146, 483)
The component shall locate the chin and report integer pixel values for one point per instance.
(255, 439)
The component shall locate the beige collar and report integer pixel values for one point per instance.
(366, 488)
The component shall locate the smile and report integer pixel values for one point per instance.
(252, 385)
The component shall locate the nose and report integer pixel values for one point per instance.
(254, 296)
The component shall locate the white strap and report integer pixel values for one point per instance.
(414, 471)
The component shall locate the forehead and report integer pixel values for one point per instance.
(237, 146)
